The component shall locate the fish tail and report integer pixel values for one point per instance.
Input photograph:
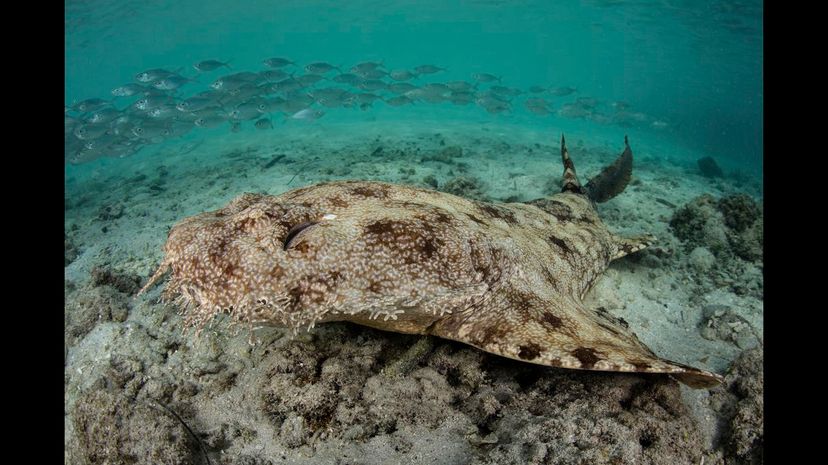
(613, 179)
(570, 178)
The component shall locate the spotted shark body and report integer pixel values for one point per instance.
(507, 278)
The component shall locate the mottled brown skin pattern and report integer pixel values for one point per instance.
(506, 278)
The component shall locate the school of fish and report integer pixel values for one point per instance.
(163, 104)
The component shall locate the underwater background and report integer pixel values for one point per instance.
(466, 97)
(694, 65)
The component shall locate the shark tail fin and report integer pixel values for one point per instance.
(613, 179)
(570, 178)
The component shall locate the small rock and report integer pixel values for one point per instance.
(111, 212)
(293, 431)
(464, 186)
(452, 151)
(720, 322)
(701, 259)
(430, 180)
(70, 251)
(123, 282)
(709, 167)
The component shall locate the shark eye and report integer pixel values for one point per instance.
(294, 231)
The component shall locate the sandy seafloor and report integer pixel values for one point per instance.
(140, 391)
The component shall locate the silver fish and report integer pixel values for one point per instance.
(485, 77)
(436, 88)
(263, 123)
(287, 85)
(372, 74)
(535, 102)
(587, 102)
(333, 102)
(399, 101)
(415, 93)
(164, 111)
(621, 106)
(85, 155)
(171, 82)
(562, 91)
(402, 75)
(486, 100)
(366, 66)
(537, 108)
(70, 123)
(372, 84)
(210, 65)
(90, 131)
(497, 108)
(102, 142)
(274, 104)
(570, 110)
(327, 92)
(536, 89)
(179, 128)
(236, 80)
(244, 92)
(210, 121)
(152, 75)
(505, 91)
(347, 78)
(246, 111)
(273, 75)
(364, 97)
(460, 85)
(310, 79)
(434, 98)
(428, 69)
(277, 62)
(320, 68)
(227, 85)
(122, 127)
(461, 97)
(245, 76)
(104, 115)
(127, 90)
(401, 87)
(90, 104)
(493, 105)
(194, 104)
(308, 114)
(151, 131)
(297, 102)
(148, 103)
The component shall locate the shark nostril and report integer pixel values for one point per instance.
(294, 231)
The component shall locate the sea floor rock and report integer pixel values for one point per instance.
(741, 404)
(113, 429)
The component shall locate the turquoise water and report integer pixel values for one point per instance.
(686, 72)
(682, 78)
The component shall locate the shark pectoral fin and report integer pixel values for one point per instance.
(628, 245)
(561, 333)
(698, 379)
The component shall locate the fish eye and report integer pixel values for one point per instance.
(294, 231)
